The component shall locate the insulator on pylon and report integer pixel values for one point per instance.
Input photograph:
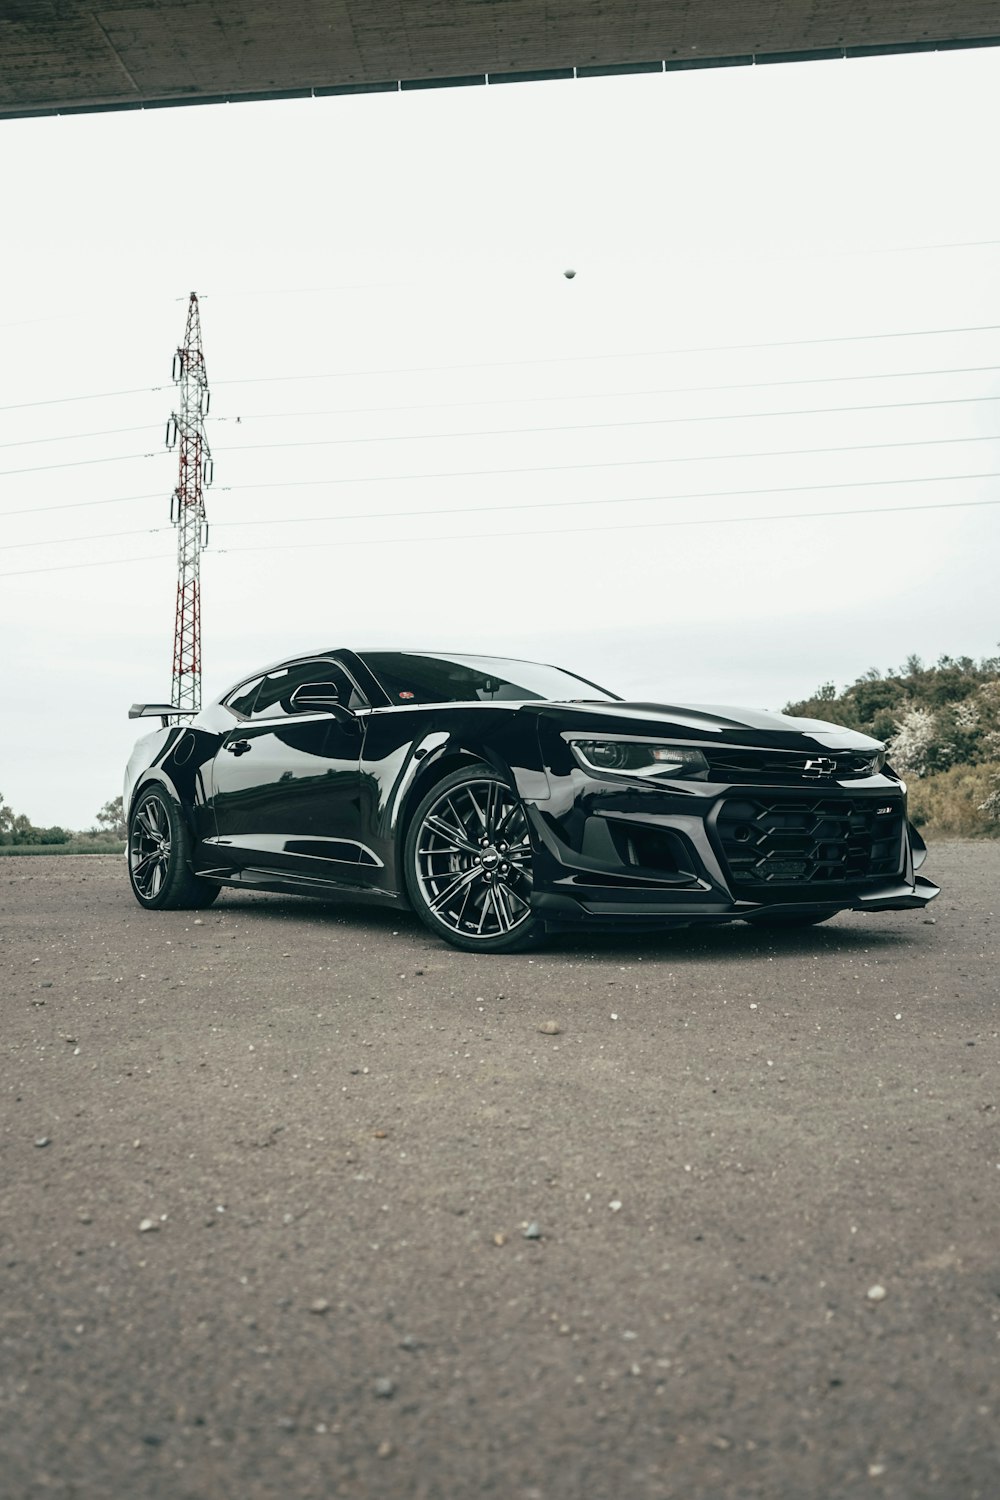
(171, 436)
(177, 369)
(207, 471)
(208, 402)
(204, 535)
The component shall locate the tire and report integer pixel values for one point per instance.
(791, 919)
(467, 864)
(159, 855)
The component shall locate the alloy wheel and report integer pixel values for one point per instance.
(149, 848)
(473, 860)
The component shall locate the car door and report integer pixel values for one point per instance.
(285, 783)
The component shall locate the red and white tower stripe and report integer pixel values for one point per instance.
(186, 431)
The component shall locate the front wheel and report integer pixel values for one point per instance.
(159, 846)
(467, 862)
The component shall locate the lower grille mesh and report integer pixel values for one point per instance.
(809, 840)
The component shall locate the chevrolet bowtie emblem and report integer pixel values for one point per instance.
(821, 766)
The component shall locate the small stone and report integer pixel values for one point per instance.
(198, 922)
(384, 1387)
(380, 1135)
(532, 1231)
(42, 1140)
(319, 1306)
(876, 1293)
(874, 1470)
(500, 1239)
(148, 1226)
(614, 1015)
(615, 1205)
(384, 1449)
(550, 1028)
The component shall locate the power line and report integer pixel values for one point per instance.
(733, 416)
(69, 437)
(96, 536)
(670, 390)
(539, 360)
(464, 510)
(532, 505)
(105, 562)
(847, 484)
(146, 390)
(619, 463)
(624, 463)
(502, 535)
(561, 359)
(38, 510)
(562, 427)
(80, 463)
(675, 390)
(629, 526)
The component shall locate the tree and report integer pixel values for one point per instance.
(112, 818)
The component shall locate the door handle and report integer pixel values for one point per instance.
(237, 747)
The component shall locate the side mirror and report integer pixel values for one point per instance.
(319, 697)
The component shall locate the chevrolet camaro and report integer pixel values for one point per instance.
(501, 800)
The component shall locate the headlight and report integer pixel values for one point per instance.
(876, 762)
(639, 758)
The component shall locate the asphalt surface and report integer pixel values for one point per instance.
(341, 1132)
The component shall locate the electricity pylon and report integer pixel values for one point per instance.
(186, 430)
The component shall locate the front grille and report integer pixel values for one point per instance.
(742, 766)
(795, 841)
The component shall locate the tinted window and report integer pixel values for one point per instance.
(410, 678)
(241, 702)
(274, 698)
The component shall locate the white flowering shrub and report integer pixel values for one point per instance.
(911, 747)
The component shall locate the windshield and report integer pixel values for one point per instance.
(412, 678)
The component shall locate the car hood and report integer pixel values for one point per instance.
(747, 726)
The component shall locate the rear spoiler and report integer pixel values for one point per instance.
(162, 711)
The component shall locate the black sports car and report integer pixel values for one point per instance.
(503, 799)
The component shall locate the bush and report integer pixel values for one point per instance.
(957, 802)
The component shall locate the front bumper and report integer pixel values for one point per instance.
(625, 856)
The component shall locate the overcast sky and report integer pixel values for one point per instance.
(787, 305)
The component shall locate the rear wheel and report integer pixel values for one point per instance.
(159, 850)
(467, 862)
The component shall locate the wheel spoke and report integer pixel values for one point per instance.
(501, 908)
(510, 891)
(466, 878)
(145, 818)
(458, 839)
(479, 811)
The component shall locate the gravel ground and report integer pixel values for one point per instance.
(297, 1202)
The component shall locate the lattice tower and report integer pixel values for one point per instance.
(186, 431)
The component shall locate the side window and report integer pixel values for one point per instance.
(274, 698)
(241, 702)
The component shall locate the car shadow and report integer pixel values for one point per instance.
(723, 942)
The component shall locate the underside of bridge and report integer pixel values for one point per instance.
(61, 56)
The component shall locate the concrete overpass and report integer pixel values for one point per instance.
(64, 56)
